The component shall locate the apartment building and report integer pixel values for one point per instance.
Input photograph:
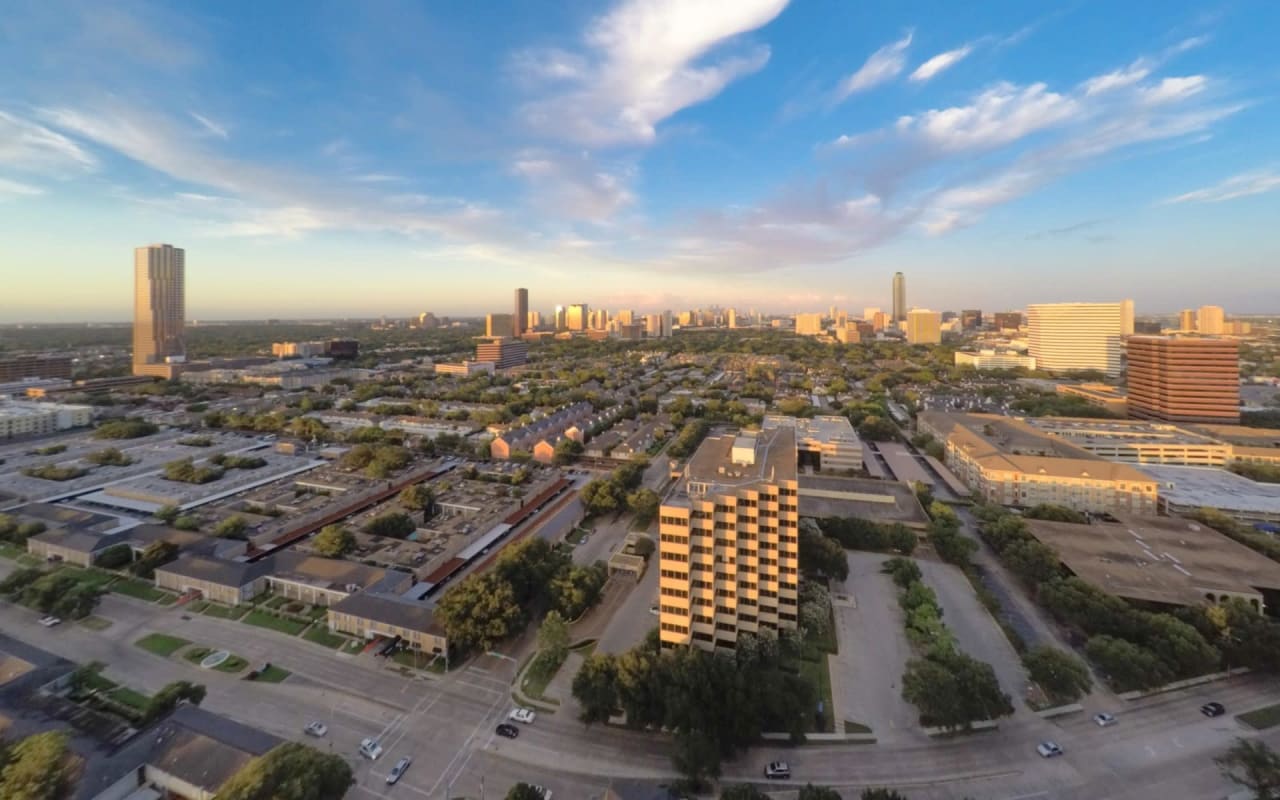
(1184, 379)
(21, 418)
(1010, 462)
(1075, 337)
(729, 541)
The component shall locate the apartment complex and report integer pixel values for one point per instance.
(994, 359)
(828, 443)
(1010, 462)
(924, 326)
(159, 310)
(1071, 337)
(729, 541)
(21, 418)
(504, 352)
(1184, 379)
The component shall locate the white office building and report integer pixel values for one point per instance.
(1073, 337)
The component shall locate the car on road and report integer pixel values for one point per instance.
(398, 770)
(50, 621)
(1048, 749)
(1213, 709)
(316, 729)
(653, 609)
(508, 731)
(525, 715)
(1104, 719)
(542, 790)
(777, 770)
(370, 749)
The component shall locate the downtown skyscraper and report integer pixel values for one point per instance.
(899, 297)
(520, 318)
(159, 309)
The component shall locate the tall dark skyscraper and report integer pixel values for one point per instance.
(899, 297)
(520, 320)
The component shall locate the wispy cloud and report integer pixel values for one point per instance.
(642, 63)
(31, 147)
(1118, 79)
(575, 187)
(9, 189)
(884, 65)
(209, 125)
(1066, 230)
(1243, 185)
(940, 63)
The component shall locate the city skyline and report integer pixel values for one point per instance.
(776, 155)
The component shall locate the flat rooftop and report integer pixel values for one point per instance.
(727, 462)
(1239, 434)
(1166, 560)
(828, 428)
(1210, 487)
(1089, 431)
(882, 501)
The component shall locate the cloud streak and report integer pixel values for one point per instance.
(1244, 185)
(882, 66)
(939, 64)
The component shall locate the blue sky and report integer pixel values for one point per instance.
(325, 158)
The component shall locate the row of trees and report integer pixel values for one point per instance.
(55, 472)
(59, 593)
(289, 771)
(16, 532)
(715, 705)
(1252, 538)
(124, 429)
(377, 460)
(690, 436)
(528, 578)
(951, 689)
(38, 767)
(864, 534)
(621, 490)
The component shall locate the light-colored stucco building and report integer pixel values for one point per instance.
(1079, 337)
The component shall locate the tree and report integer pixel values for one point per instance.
(37, 768)
(169, 696)
(290, 771)
(232, 527)
(115, 556)
(811, 792)
(156, 554)
(575, 589)
(954, 690)
(553, 637)
(697, 756)
(742, 791)
(1253, 765)
(417, 497)
(644, 502)
(877, 429)
(392, 524)
(1055, 513)
(334, 541)
(567, 451)
(1062, 676)
(820, 555)
(596, 688)
(952, 546)
(479, 612)
(523, 791)
(904, 571)
(1127, 666)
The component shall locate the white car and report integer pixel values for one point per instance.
(316, 729)
(542, 790)
(524, 715)
(1104, 719)
(777, 770)
(1048, 749)
(50, 621)
(370, 749)
(398, 770)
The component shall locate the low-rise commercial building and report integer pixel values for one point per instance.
(1009, 462)
(25, 418)
(465, 369)
(828, 443)
(504, 352)
(369, 615)
(220, 580)
(994, 359)
(1109, 398)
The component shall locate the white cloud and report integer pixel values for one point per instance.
(1119, 79)
(29, 146)
(998, 116)
(645, 61)
(940, 63)
(1174, 89)
(209, 125)
(10, 189)
(884, 64)
(1244, 185)
(575, 187)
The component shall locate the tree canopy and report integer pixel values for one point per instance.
(37, 768)
(290, 771)
(334, 541)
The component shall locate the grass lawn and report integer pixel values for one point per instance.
(225, 612)
(97, 682)
(819, 676)
(322, 635)
(232, 665)
(131, 698)
(167, 598)
(28, 560)
(1261, 718)
(11, 551)
(161, 644)
(198, 606)
(196, 654)
(318, 613)
(96, 623)
(273, 674)
(87, 577)
(264, 620)
(536, 678)
(276, 601)
(132, 587)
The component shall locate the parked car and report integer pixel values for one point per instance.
(777, 770)
(1104, 719)
(508, 731)
(50, 621)
(316, 729)
(370, 749)
(1213, 709)
(525, 715)
(1048, 749)
(398, 769)
(653, 609)
(542, 790)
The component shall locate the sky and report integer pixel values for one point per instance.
(390, 157)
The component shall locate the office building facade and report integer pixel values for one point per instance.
(503, 351)
(809, 324)
(899, 297)
(520, 315)
(1211, 320)
(729, 548)
(577, 317)
(1187, 320)
(159, 310)
(23, 367)
(1076, 337)
(924, 326)
(971, 319)
(1184, 379)
(1006, 320)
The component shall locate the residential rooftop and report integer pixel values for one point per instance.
(728, 462)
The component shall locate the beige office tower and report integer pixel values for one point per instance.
(809, 324)
(731, 318)
(1211, 320)
(498, 325)
(577, 316)
(1187, 320)
(924, 326)
(869, 313)
(729, 548)
(159, 310)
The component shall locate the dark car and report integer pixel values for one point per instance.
(508, 731)
(1213, 709)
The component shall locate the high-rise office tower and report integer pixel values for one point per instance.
(1187, 320)
(159, 309)
(809, 324)
(729, 541)
(534, 321)
(577, 316)
(731, 318)
(1211, 320)
(667, 323)
(520, 319)
(1184, 379)
(869, 313)
(562, 319)
(498, 325)
(1070, 337)
(899, 297)
(971, 318)
(1007, 320)
(625, 316)
(924, 326)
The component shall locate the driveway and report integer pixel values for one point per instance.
(866, 674)
(976, 632)
(632, 619)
